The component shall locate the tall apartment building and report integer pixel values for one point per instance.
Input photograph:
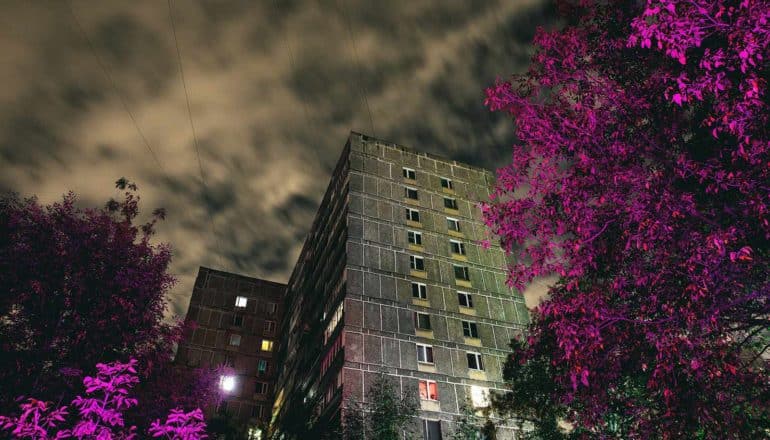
(392, 279)
(237, 321)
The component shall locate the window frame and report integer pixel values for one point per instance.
(427, 352)
(422, 290)
(414, 237)
(234, 340)
(448, 181)
(241, 302)
(409, 173)
(455, 222)
(271, 308)
(412, 214)
(473, 329)
(409, 191)
(264, 386)
(478, 360)
(452, 203)
(465, 272)
(269, 327)
(266, 342)
(264, 362)
(417, 316)
(426, 430)
(469, 299)
(460, 247)
(414, 265)
(428, 383)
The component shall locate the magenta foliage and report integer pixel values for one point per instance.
(642, 179)
(100, 414)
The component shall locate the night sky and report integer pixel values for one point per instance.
(274, 90)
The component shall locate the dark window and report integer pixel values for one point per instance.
(256, 411)
(453, 224)
(412, 215)
(269, 327)
(419, 290)
(424, 353)
(410, 193)
(263, 366)
(474, 361)
(409, 173)
(457, 247)
(450, 203)
(470, 329)
(431, 430)
(465, 299)
(422, 321)
(414, 237)
(237, 320)
(416, 263)
(261, 388)
(446, 183)
(270, 308)
(461, 273)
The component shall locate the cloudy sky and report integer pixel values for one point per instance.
(274, 89)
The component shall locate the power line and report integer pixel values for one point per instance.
(111, 80)
(362, 88)
(192, 127)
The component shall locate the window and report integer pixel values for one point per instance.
(412, 215)
(414, 237)
(269, 327)
(235, 340)
(267, 345)
(431, 430)
(262, 366)
(453, 224)
(237, 320)
(241, 301)
(470, 329)
(410, 193)
(416, 263)
(422, 321)
(465, 299)
(457, 247)
(479, 396)
(270, 308)
(446, 183)
(428, 390)
(256, 411)
(424, 353)
(419, 290)
(461, 273)
(474, 361)
(335, 319)
(450, 203)
(409, 173)
(260, 388)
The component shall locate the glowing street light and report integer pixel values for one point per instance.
(227, 383)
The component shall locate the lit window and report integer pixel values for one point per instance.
(237, 320)
(474, 361)
(419, 290)
(470, 329)
(270, 308)
(409, 173)
(260, 388)
(267, 345)
(428, 390)
(412, 215)
(416, 263)
(431, 429)
(227, 383)
(479, 396)
(333, 322)
(241, 301)
(269, 327)
(465, 299)
(424, 353)
(262, 366)
(422, 321)
(453, 224)
(461, 273)
(450, 203)
(446, 183)
(410, 193)
(457, 247)
(235, 340)
(414, 237)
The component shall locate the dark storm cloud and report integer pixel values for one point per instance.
(274, 89)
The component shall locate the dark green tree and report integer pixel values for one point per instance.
(385, 414)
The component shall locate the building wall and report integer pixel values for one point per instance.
(213, 309)
(379, 308)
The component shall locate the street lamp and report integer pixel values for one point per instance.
(227, 383)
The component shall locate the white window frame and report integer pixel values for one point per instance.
(468, 299)
(410, 216)
(417, 241)
(453, 201)
(471, 326)
(269, 327)
(426, 430)
(413, 262)
(235, 340)
(422, 290)
(241, 302)
(449, 183)
(460, 247)
(417, 321)
(407, 172)
(478, 359)
(454, 221)
(424, 349)
(263, 387)
(408, 189)
(427, 389)
(271, 307)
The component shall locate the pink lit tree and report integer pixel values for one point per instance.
(642, 179)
